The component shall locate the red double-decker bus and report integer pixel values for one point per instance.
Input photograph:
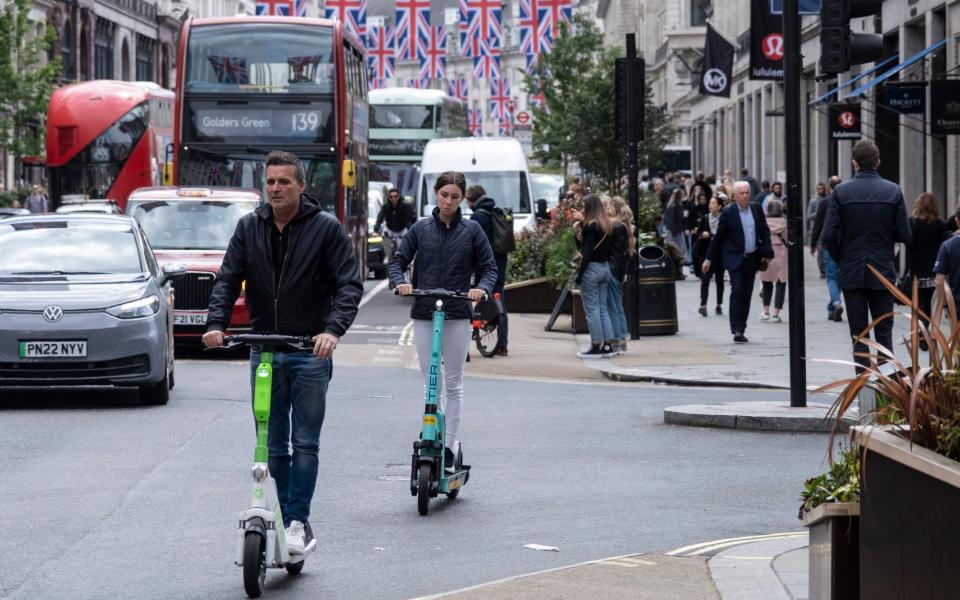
(107, 138)
(250, 85)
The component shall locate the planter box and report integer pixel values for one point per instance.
(533, 296)
(834, 551)
(910, 523)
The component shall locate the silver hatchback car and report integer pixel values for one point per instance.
(84, 302)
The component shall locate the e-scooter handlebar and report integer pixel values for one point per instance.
(438, 294)
(296, 342)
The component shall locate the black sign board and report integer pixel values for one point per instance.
(945, 107)
(766, 42)
(904, 98)
(844, 121)
(717, 65)
(260, 122)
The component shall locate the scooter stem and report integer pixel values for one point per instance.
(261, 404)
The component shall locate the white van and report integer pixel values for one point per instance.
(496, 163)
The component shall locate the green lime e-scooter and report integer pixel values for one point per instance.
(428, 475)
(262, 543)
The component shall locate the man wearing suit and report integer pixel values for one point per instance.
(743, 238)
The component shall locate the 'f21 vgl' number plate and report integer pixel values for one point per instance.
(53, 349)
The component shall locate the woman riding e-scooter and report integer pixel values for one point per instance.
(449, 251)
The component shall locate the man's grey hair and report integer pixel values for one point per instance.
(281, 157)
(743, 183)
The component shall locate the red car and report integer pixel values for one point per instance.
(192, 227)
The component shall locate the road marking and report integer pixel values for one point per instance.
(695, 549)
(631, 562)
(734, 557)
(406, 336)
(373, 292)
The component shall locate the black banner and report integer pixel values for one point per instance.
(766, 42)
(945, 107)
(717, 72)
(905, 98)
(844, 121)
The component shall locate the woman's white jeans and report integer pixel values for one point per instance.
(456, 339)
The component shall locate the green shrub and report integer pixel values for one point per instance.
(841, 483)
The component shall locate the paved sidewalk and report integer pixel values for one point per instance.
(773, 567)
(703, 352)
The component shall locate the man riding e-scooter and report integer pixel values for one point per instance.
(395, 217)
(301, 279)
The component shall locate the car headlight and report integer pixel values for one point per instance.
(144, 307)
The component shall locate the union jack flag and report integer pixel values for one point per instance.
(557, 12)
(229, 69)
(500, 103)
(535, 37)
(377, 84)
(380, 52)
(352, 13)
(303, 68)
(505, 128)
(476, 121)
(538, 100)
(480, 21)
(285, 8)
(420, 84)
(458, 88)
(432, 52)
(486, 65)
(413, 21)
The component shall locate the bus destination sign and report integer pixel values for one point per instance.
(247, 124)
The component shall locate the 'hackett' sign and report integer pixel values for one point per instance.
(904, 98)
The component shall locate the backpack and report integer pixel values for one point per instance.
(501, 222)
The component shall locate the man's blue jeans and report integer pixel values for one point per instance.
(830, 267)
(298, 402)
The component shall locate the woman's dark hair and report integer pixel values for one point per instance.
(677, 196)
(925, 208)
(454, 177)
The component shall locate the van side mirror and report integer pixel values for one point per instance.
(349, 174)
(542, 209)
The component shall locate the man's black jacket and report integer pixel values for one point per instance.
(483, 214)
(866, 216)
(397, 217)
(319, 285)
(447, 257)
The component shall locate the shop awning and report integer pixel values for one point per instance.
(860, 91)
(873, 70)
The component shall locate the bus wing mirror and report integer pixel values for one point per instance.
(349, 174)
(167, 173)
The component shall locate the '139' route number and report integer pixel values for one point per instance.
(305, 121)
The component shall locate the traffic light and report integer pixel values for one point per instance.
(840, 47)
(624, 103)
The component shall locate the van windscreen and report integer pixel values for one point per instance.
(509, 189)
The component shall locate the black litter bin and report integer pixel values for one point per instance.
(658, 292)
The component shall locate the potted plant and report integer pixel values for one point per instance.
(831, 511)
(910, 525)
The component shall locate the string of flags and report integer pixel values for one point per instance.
(413, 37)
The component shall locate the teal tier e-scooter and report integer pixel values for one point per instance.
(262, 540)
(428, 475)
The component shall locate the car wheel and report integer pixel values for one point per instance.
(157, 393)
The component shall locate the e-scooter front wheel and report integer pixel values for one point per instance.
(254, 563)
(423, 489)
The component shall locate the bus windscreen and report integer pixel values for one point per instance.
(280, 59)
(397, 116)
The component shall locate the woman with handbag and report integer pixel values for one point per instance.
(595, 240)
(776, 272)
(928, 233)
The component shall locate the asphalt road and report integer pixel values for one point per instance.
(107, 499)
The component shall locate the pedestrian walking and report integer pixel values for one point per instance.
(754, 186)
(835, 305)
(37, 201)
(392, 222)
(742, 243)
(947, 265)
(927, 234)
(775, 276)
(624, 246)
(764, 191)
(593, 275)
(483, 213)
(297, 267)
(776, 193)
(449, 251)
(865, 218)
(704, 232)
(673, 221)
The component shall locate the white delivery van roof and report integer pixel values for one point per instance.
(473, 154)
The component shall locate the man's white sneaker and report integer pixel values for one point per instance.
(296, 534)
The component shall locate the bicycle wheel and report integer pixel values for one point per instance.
(487, 338)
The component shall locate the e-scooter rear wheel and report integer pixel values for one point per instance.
(423, 489)
(254, 563)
